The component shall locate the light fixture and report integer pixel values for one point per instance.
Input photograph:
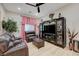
(36, 14)
(19, 8)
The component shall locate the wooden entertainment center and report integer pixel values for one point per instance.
(54, 31)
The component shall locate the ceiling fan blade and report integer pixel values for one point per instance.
(38, 9)
(38, 4)
(30, 4)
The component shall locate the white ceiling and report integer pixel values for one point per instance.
(32, 11)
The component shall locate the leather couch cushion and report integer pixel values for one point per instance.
(3, 46)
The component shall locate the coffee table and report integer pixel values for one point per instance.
(38, 42)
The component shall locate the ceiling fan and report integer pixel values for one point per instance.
(37, 5)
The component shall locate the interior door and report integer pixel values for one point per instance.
(0, 21)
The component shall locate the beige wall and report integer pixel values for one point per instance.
(2, 16)
(71, 13)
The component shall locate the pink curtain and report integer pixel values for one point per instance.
(26, 20)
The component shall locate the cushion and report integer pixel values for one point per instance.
(12, 37)
(17, 42)
(8, 41)
(5, 39)
(1, 53)
(13, 42)
(10, 45)
(3, 46)
(5, 36)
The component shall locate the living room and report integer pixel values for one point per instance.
(30, 19)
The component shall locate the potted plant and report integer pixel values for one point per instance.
(71, 35)
(9, 26)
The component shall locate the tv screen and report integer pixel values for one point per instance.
(49, 29)
(29, 28)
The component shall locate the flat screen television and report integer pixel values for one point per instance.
(49, 29)
(29, 28)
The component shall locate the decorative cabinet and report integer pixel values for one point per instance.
(61, 31)
(58, 37)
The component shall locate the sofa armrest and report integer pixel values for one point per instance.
(20, 52)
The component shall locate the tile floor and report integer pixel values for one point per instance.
(50, 50)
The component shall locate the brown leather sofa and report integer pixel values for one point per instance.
(19, 50)
(13, 46)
